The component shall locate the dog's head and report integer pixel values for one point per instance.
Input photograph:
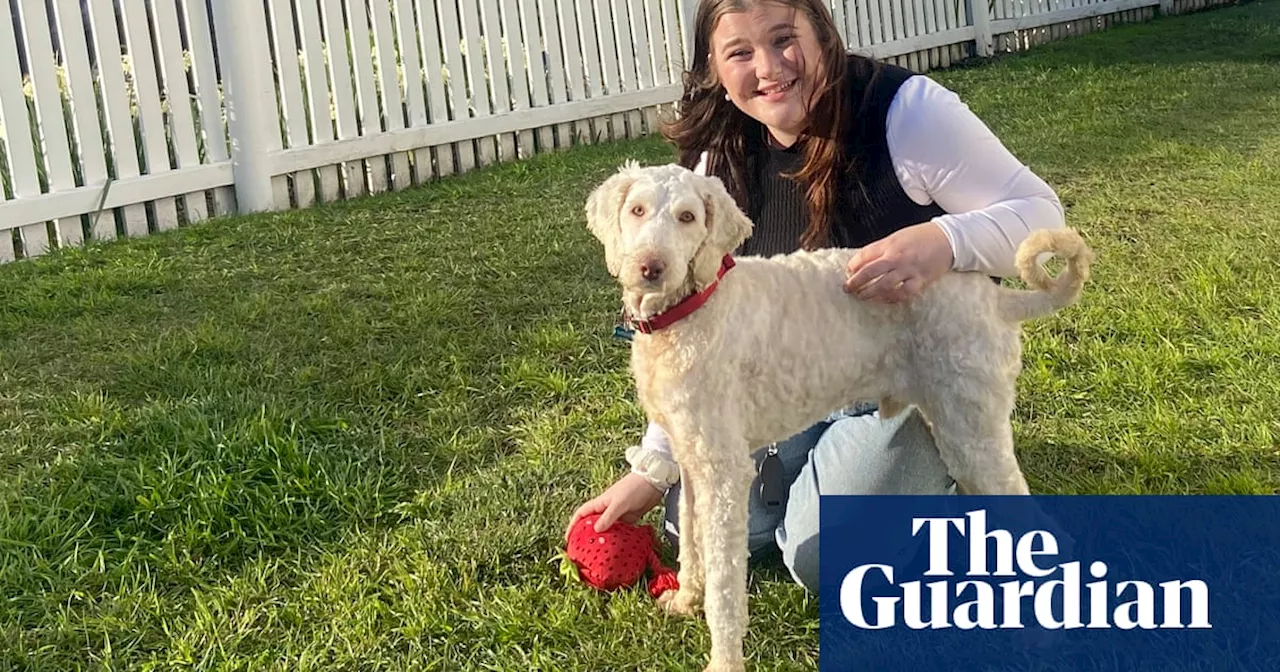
(664, 230)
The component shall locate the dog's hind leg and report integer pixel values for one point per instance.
(971, 426)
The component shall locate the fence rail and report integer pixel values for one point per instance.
(127, 117)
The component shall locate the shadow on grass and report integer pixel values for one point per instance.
(1091, 469)
(1244, 32)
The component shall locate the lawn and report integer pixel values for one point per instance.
(349, 437)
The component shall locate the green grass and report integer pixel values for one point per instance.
(349, 437)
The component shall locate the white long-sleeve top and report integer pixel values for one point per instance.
(943, 153)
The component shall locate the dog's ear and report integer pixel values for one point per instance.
(727, 228)
(604, 206)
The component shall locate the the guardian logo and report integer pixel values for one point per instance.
(1052, 596)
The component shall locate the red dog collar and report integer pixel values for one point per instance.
(686, 306)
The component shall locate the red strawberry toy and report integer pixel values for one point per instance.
(617, 557)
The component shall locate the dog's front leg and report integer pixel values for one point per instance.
(687, 600)
(722, 518)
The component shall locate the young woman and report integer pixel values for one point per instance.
(823, 148)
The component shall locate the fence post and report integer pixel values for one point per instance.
(688, 12)
(241, 29)
(982, 37)
(1166, 7)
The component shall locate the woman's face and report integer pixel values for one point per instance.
(770, 64)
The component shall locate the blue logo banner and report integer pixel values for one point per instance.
(1078, 583)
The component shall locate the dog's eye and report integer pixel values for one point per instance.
(686, 217)
(638, 211)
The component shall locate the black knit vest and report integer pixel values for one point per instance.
(872, 203)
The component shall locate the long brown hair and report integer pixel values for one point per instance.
(707, 122)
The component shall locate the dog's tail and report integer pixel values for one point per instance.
(1049, 294)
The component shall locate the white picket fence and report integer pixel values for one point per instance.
(127, 117)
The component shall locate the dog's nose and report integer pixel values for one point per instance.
(652, 270)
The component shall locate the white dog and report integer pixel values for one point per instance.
(732, 357)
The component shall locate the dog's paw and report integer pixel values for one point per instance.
(682, 602)
(724, 667)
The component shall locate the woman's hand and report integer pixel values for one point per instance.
(899, 267)
(628, 499)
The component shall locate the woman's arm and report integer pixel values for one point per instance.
(652, 459)
(942, 152)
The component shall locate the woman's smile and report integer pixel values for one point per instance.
(776, 92)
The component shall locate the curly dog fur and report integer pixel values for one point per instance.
(779, 345)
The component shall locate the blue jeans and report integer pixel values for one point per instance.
(851, 452)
